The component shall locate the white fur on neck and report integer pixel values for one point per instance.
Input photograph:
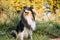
(31, 22)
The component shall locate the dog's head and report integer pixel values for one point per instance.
(28, 12)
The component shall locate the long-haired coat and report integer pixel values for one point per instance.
(26, 25)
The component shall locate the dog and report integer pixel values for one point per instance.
(26, 25)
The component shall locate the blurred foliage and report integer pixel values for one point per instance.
(50, 28)
(18, 4)
(13, 7)
(11, 13)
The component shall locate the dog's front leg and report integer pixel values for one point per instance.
(20, 36)
(31, 38)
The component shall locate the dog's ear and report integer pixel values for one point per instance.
(24, 7)
(31, 7)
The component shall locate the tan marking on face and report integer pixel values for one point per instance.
(29, 13)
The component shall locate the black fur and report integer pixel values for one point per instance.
(20, 26)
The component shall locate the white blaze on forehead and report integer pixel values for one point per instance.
(31, 22)
(26, 10)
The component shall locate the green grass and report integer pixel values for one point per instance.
(36, 35)
(43, 30)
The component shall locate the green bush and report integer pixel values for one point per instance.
(50, 28)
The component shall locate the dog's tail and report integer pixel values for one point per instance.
(14, 33)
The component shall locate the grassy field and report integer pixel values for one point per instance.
(36, 36)
(42, 31)
(5, 35)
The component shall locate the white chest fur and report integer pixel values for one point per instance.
(31, 22)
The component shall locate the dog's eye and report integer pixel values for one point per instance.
(26, 13)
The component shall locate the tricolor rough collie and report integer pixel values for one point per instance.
(26, 25)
